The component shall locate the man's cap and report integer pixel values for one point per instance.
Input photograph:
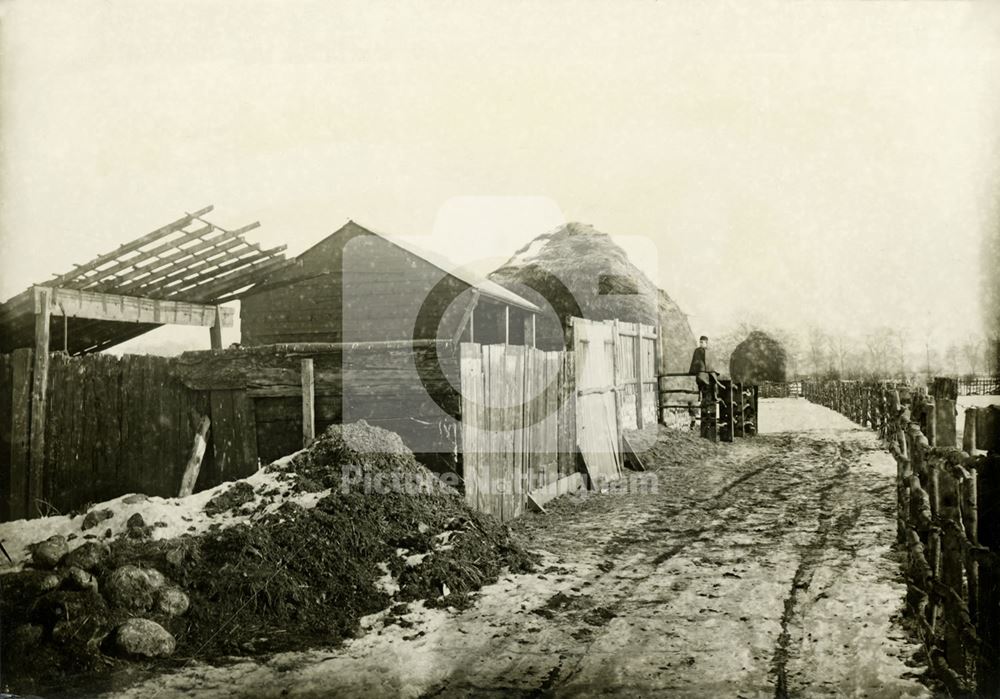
(703, 337)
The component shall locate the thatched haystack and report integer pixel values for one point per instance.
(759, 358)
(578, 270)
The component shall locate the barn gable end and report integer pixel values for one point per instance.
(355, 286)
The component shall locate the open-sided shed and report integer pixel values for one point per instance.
(178, 274)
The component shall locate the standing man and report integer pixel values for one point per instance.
(703, 373)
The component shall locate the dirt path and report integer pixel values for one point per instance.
(763, 572)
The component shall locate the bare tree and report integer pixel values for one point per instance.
(840, 348)
(951, 358)
(971, 354)
(900, 337)
(880, 344)
(819, 352)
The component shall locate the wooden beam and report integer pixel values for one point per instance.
(237, 279)
(506, 325)
(467, 318)
(308, 403)
(637, 358)
(16, 505)
(129, 247)
(75, 303)
(39, 386)
(170, 247)
(567, 484)
(193, 467)
(216, 330)
(657, 368)
(534, 330)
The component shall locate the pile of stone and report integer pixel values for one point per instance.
(73, 598)
(71, 613)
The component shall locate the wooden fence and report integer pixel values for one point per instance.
(113, 425)
(518, 424)
(504, 417)
(780, 389)
(948, 519)
(116, 425)
(979, 386)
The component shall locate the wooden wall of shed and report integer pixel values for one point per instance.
(351, 287)
(379, 384)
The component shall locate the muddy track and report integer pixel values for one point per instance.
(765, 571)
(789, 494)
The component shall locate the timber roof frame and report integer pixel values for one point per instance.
(189, 261)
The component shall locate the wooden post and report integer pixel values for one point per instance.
(216, 330)
(988, 621)
(506, 325)
(16, 504)
(988, 429)
(970, 520)
(930, 420)
(194, 461)
(472, 325)
(944, 422)
(39, 386)
(308, 403)
(637, 356)
(616, 388)
(969, 433)
(534, 338)
(952, 568)
(657, 370)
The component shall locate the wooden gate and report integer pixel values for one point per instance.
(517, 425)
(597, 405)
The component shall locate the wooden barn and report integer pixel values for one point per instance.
(360, 286)
(382, 323)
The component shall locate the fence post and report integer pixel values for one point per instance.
(952, 573)
(930, 420)
(970, 521)
(308, 403)
(20, 434)
(637, 358)
(657, 370)
(39, 389)
(988, 607)
(969, 432)
(945, 423)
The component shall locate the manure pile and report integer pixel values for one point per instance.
(349, 527)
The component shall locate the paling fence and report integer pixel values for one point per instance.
(948, 518)
(527, 415)
(518, 424)
(113, 425)
(502, 417)
(117, 425)
(779, 389)
(979, 386)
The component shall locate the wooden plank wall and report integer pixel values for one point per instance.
(518, 424)
(374, 382)
(114, 425)
(599, 422)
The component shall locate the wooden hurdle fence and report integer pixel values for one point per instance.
(948, 518)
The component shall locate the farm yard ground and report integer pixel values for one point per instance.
(762, 568)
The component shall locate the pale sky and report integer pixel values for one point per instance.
(834, 163)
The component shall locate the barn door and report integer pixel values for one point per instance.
(596, 403)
